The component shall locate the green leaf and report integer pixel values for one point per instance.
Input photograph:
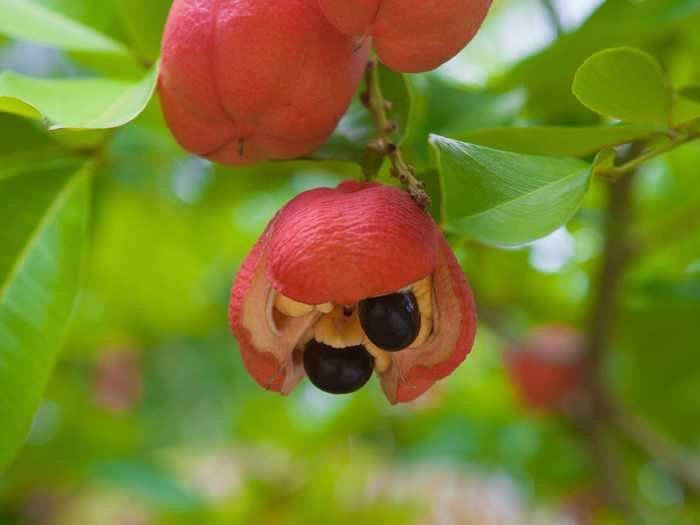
(503, 198)
(94, 103)
(44, 216)
(558, 141)
(372, 163)
(100, 16)
(624, 83)
(686, 105)
(546, 76)
(23, 144)
(356, 128)
(449, 108)
(691, 92)
(28, 20)
(15, 106)
(144, 23)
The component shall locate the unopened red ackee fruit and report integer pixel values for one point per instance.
(410, 35)
(347, 282)
(251, 80)
(547, 366)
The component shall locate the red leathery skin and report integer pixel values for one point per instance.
(352, 18)
(340, 246)
(410, 35)
(270, 358)
(346, 244)
(262, 366)
(253, 80)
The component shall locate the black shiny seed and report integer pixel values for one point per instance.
(392, 322)
(337, 371)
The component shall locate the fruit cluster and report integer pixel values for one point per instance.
(344, 282)
(251, 80)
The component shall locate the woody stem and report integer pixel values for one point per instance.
(385, 144)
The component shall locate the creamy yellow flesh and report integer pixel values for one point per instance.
(293, 308)
(340, 326)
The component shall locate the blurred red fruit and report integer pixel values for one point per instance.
(546, 367)
(118, 380)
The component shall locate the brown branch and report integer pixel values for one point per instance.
(600, 327)
(615, 258)
(683, 464)
(605, 410)
(385, 145)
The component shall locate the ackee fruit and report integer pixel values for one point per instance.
(253, 80)
(347, 282)
(411, 36)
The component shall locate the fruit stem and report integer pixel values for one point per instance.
(385, 145)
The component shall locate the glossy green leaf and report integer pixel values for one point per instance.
(15, 106)
(557, 140)
(29, 20)
(626, 84)
(94, 103)
(504, 198)
(44, 214)
(356, 128)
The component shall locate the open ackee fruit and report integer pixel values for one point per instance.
(348, 282)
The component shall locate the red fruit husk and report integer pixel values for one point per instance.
(345, 244)
(410, 35)
(253, 80)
